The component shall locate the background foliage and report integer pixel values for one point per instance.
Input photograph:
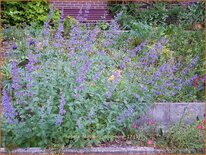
(159, 13)
(25, 13)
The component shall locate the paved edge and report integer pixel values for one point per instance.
(98, 150)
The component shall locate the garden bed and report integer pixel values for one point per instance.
(71, 86)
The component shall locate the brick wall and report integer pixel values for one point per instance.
(96, 10)
(84, 10)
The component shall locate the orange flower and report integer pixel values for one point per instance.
(111, 78)
(117, 73)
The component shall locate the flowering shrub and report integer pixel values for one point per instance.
(65, 92)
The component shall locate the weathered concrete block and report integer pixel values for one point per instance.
(161, 113)
(170, 113)
(187, 112)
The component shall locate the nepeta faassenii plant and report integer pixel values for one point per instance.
(82, 91)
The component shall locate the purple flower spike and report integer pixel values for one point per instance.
(122, 65)
(59, 120)
(8, 109)
(126, 114)
(62, 111)
(15, 77)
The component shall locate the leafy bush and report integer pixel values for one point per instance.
(25, 13)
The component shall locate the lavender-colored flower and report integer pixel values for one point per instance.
(144, 88)
(110, 92)
(191, 65)
(80, 88)
(77, 96)
(94, 34)
(29, 81)
(46, 30)
(126, 114)
(51, 10)
(58, 35)
(178, 87)
(16, 81)
(59, 120)
(194, 61)
(62, 111)
(14, 47)
(8, 109)
(129, 111)
(62, 103)
(31, 42)
(203, 78)
(163, 68)
(83, 71)
(137, 49)
(190, 81)
(33, 59)
(126, 59)
(96, 76)
(80, 79)
(122, 65)
(163, 41)
(119, 15)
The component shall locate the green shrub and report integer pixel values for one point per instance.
(194, 13)
(69, 22)
(24, 13)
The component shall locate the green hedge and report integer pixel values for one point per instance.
(20, 13)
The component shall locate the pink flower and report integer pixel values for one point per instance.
(134, 126)
(151, 122)
(200, 127)
(149, 142)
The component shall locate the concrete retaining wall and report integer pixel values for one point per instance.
(170, 113)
